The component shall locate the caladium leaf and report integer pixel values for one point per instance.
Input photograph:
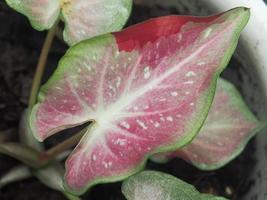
(83, 19)
(152, 185)
(147, 89)
(226, 131)
(41, 13)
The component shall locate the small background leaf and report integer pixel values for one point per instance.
(152, 185)
(41, 13)
(225, 133)
(86, 19)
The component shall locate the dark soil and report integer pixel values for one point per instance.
(20, 46)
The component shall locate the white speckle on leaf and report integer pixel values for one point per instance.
(87, 66)
(190, 74)
(125, 124)
(188, 82)
(142, 124)
(120, 141)
(192, 104)
(149, 192)
(174, 94)
(117, 53)
(187, 92)
(179, 38)
(112, 88)
(118, 82)
(146, 107)
(201, 63)
(81, 32)
(178, 115)
(207, 32)
(65, 101)
(94, 157)
(135, 108)
(84, 163)
(73, 108)
(94, 57)
(195, 155)
(107, 164)
(163, 99)
(59, 88)
(241, 133)
(169, 118)
(162, 119)
(146, 72)
(220, 144)
(157, 124)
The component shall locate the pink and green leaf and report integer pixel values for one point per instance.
(225, 133)
(147, 90)
(152, 185)
(83, 19)
(86, 19)
(41, 13)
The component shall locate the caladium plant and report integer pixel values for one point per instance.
(146, 90)
(226, 131)
(151, 185)
(83, 19)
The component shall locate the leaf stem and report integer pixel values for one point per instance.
(41, 64)
(16, 174)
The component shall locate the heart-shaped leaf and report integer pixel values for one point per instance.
(226, 131)
(147, 89)
(83, 19)
(152, 185)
